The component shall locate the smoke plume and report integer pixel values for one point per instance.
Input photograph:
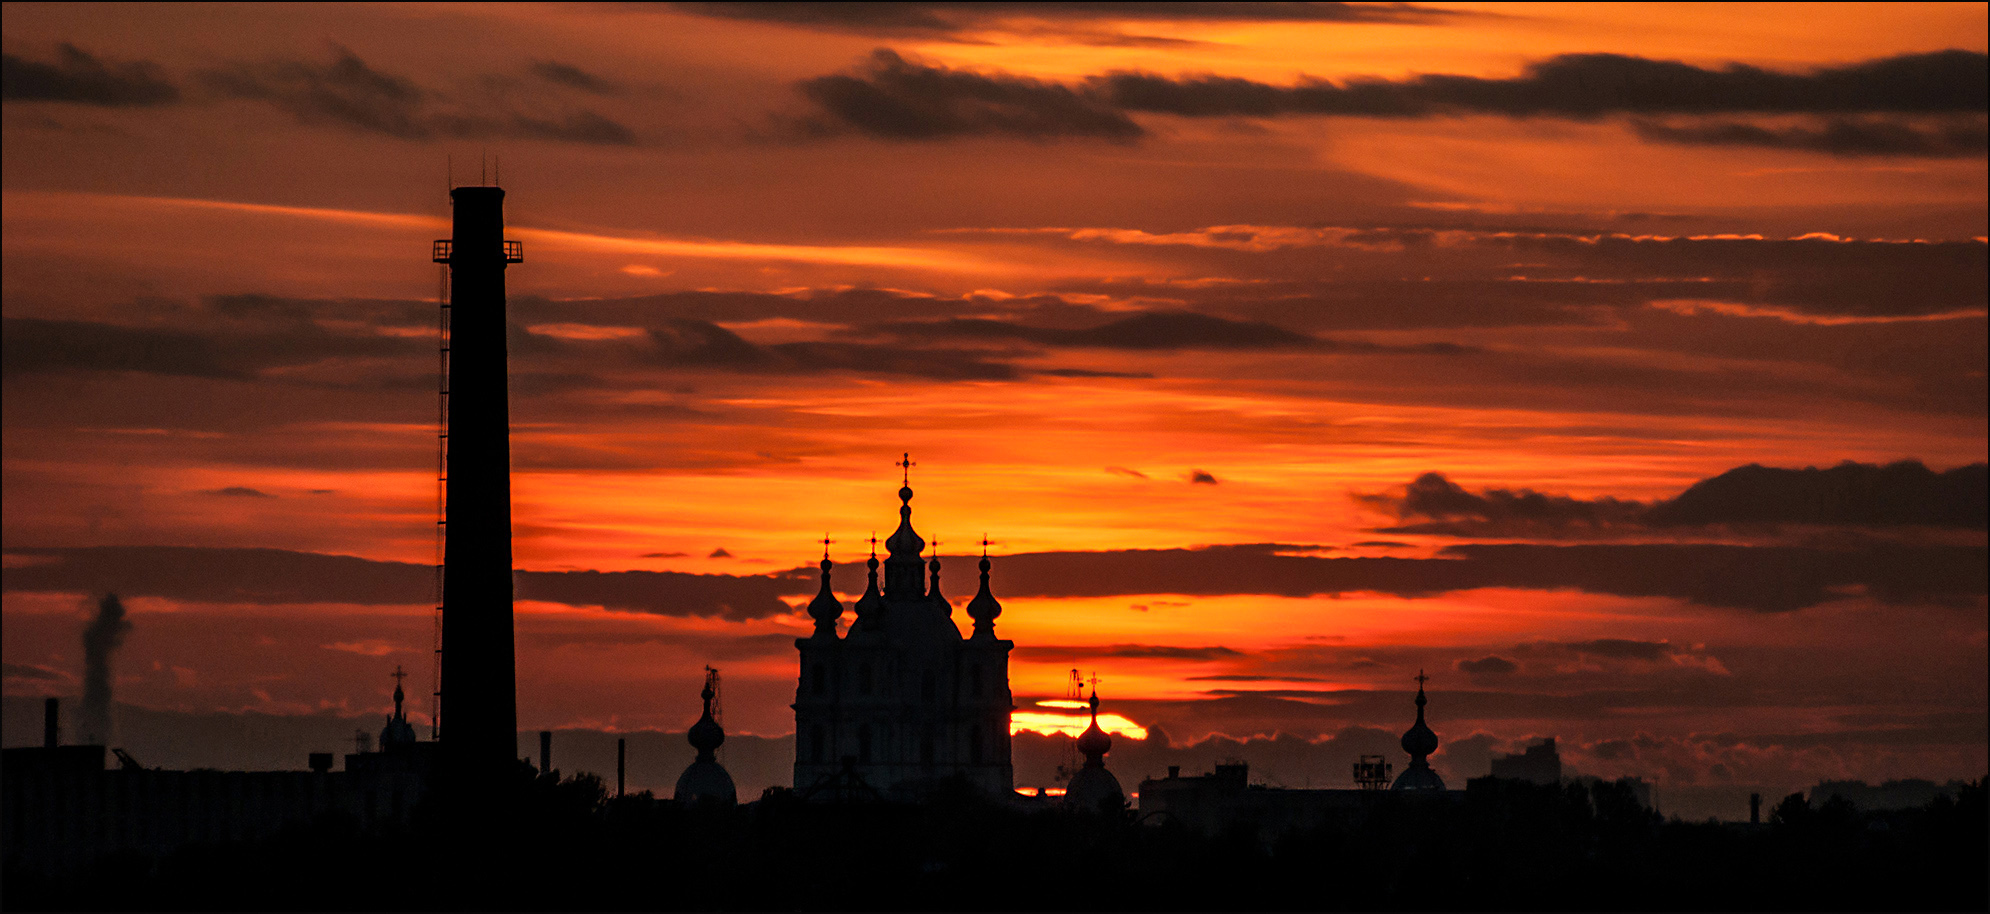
(101, 639)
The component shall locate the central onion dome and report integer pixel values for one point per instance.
(904, 542)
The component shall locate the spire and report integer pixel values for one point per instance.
(398, 731)
(706, 735)
(825, 608)
(933, 591)
(984, 607)
(870, 606)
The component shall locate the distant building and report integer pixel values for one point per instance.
(1094, 788)
(398, 731)
(1539, 764)
(1225, 800)
(61, 808)
(1908, 794)
(902, 702)
(706, 781)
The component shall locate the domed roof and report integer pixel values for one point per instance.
(398, 731)
(1418, 777)
(1094, 742)
(825, 608)
(904, 542)
(1092, 788)
(1419, 741)
(706, 781)
(984, 608)
(1093, 785)
(940, 602)
(870, 606)
(706, 735)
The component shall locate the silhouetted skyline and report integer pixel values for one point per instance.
(1623, 367)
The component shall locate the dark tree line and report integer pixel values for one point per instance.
(565, 844)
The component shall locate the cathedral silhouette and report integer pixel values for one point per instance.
(902, 701)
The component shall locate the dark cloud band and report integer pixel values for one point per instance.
(79, 77)
(899, 99)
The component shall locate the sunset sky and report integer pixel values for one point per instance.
(1279, 350)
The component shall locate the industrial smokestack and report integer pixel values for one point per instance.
(545, 751)
(101, 638)
(479, 677)
(621, 753)
(51, 723)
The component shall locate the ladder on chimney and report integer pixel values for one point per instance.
(441, 490)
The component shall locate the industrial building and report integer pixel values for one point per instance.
(61, 807)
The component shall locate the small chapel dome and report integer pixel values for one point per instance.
(398, 731)
(1093, 786)
(1419, 741)
(705, 780)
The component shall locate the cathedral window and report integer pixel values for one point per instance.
(974, 679)
(815, 741)
(926, 749)
(864, 679)
(974, 744)
(928, 686)
(821, 679)
(864, 743)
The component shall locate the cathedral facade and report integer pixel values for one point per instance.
(902, 700)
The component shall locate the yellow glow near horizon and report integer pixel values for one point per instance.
(1062, 703)
(1049, 723)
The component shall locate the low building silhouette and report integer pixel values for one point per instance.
(61, 807)
(1225, 800)
(1539, 763)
